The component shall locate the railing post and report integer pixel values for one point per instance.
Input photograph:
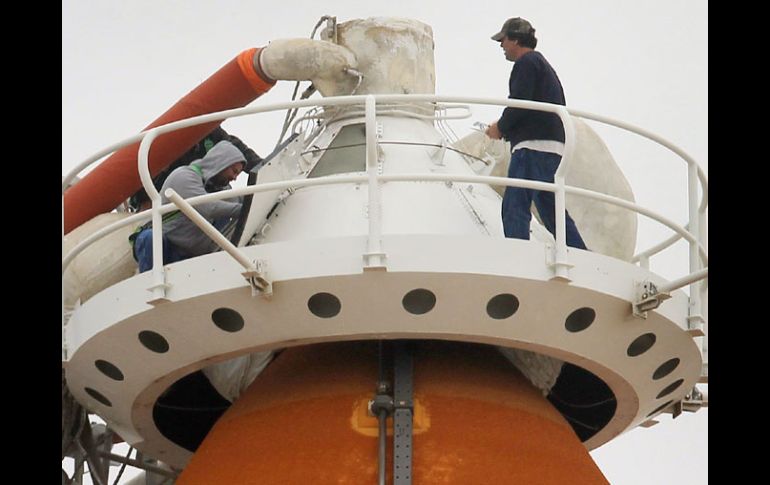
(253, 275)
(63, 314)
(704, 288)
(695, 316)
(561, 263)
(374, 257)
(158, 287)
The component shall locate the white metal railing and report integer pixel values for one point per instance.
(690, 233)
(406, 177)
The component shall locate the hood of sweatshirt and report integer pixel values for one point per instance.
(221, 156)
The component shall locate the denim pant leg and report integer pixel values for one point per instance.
(143, 251)
(517, 200)
(544, 169)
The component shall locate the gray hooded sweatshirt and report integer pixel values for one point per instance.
(181, 231)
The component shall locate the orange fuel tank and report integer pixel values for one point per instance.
(476, 420)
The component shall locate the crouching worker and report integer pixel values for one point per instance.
(182, 239)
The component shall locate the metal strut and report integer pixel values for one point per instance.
(402, 416)
(400, 406)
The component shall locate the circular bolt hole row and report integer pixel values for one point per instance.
(662, 371)
(322, 305)
(418, 302)
(582, 318)
(665, 392)
(225, 319)
(642, 344)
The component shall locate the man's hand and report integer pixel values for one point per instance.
(493, 132)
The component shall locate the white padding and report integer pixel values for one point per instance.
(107, 261)
(231, 377)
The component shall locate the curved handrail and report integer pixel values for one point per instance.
(560, 257)
(667, 144)
(657, 139)
(407, 177)
(558, 187)
(658, 247)
(96, 156)
(359, 99)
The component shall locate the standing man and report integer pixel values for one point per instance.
(536, 137)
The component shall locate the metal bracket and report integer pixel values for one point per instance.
(156, 290)
(331, 24)
(560, 268)
(381, 407)
(647, 298)
(402, 416)
(695, 400)
(375, 262)
(438, 156)
(258, 281)
(676, 409)
(400, 406)
(695, 325)
(382, 401)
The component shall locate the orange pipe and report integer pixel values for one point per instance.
(477, 420)
(235, 85)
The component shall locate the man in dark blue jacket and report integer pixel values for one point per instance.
(536, 137)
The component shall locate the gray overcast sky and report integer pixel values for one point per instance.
(644, 62)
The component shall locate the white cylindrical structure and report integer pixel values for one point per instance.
(104, 263)
(395, 55)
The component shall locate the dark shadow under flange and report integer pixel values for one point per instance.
(584, 400)
(188, 409)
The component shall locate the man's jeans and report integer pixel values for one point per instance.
(143, 251)
(541, 166)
